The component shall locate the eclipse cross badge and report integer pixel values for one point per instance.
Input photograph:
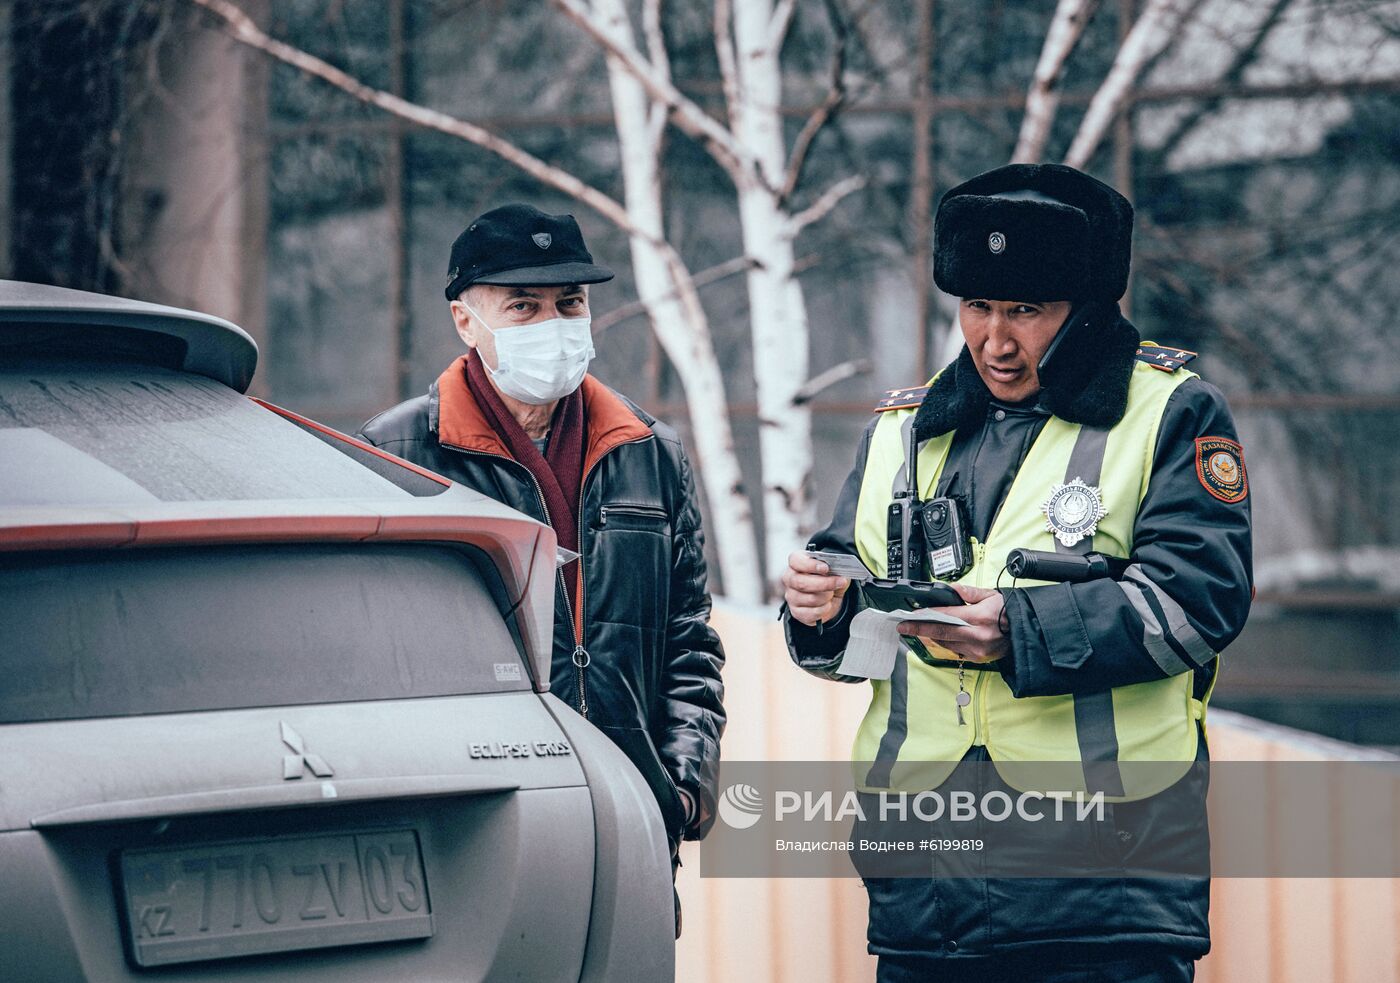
(1073, 511)
(293, 764)
(542, 239)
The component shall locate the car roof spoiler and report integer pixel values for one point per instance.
(39, 319)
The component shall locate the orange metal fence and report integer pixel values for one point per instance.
(1275, 930)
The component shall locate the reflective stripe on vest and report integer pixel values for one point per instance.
(910, 735)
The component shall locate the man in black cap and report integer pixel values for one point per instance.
(519, 419)
(1056, 430)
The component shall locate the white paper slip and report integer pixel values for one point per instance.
(875, 641)
(843, 565)
(872, 648)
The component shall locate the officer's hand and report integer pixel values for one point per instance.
(981, 640)
(812, 595)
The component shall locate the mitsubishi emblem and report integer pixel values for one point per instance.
(292, 764)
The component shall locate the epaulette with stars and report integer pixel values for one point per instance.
(902, 399)
(1166, 359)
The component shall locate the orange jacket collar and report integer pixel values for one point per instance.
(609, 420)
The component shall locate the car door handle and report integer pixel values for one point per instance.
(285, 796)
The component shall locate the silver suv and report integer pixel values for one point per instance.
(274, 703)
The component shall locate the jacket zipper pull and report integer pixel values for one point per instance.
(581, 659)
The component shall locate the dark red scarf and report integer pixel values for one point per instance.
(559, 470)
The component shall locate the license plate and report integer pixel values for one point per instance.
(274, 895)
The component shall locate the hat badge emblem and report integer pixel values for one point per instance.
(542, 239)
(996, 242)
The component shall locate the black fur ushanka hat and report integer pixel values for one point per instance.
(1033, 232)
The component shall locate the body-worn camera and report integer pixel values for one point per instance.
(926, 540)
(946, 543)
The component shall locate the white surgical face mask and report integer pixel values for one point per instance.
(541, 362)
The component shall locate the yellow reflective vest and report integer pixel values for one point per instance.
(1138, 738)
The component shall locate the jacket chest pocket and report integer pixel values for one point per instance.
(633, 518)
(631, 564)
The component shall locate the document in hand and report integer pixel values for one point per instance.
(843, 565)
(875, 644)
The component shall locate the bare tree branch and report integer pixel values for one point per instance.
(243, 30)
(1261, 363)
(824, 113)
(656, 51)
(728, 61)
(689, 117)
(656, 125)
(1043, 98)
(1243, 58)
(721, 271)
(877, 76)
(1159, 20)
(820, 117)
(829, 199)
(656, 40)
(823, 381)
(782, 20)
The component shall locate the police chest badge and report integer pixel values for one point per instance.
(1220, 466)
(1073, 511)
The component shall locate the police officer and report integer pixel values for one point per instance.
(1056, 429)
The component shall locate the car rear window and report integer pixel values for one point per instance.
(117, 633)
(172, 437)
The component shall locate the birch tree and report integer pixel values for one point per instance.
(1043, 98)
(665, 285)
(753, 152)
(1150, 34)
(670, 297)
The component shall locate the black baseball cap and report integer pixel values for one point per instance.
(518, 245)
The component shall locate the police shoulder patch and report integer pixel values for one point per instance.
(1220, 466)
(902, 399)
(1160, 357)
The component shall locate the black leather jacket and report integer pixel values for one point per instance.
(652, 675)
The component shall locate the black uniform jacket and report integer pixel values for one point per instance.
(652, 682)
(1193, 546)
